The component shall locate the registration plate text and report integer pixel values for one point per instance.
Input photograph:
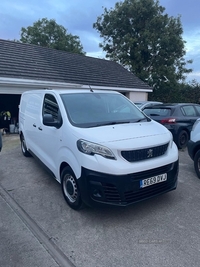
(153, 180)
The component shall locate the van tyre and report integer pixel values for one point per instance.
(182, 140)
(197, 163)
(70, 189)
(24, 148)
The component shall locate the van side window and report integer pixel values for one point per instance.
(50, 106)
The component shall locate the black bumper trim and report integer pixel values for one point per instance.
(193, 147)
(124, 190)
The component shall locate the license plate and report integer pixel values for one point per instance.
(153, 180)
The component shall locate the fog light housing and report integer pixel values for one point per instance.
(97, 193)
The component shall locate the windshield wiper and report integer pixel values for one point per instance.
(144, 119)
(110, 123)
(117, 122)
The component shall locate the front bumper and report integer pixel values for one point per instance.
(124, 190)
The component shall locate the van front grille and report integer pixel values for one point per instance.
(152, 172)
(131, 196)
(143, 154)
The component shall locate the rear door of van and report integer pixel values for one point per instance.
(30, 110)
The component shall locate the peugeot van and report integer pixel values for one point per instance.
(98, 145)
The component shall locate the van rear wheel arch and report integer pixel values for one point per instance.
(24, 149)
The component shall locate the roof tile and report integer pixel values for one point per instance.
(18, 60)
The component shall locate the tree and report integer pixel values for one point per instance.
(138, 35)
(190, 92)
(48, 33)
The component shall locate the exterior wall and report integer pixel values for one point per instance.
(18, 86)
(137, 96)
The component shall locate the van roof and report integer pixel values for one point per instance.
(69, 91)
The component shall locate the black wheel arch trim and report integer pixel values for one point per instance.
(193, 147)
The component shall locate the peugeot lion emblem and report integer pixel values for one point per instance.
(150, 153)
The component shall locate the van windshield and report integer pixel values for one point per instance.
(97, 109)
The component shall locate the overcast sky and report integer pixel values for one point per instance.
(78, 16)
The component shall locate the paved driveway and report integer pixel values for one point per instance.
(37, 228)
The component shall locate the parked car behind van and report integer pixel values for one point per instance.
(98, 145)
(178, 118)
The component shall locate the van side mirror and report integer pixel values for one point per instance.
(48, 120)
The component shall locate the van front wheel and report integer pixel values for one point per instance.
(70, 189)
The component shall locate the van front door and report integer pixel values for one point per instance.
(49, 137)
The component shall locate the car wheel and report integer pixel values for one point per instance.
(24, 148)
(70, 189)
(197, 163)
(182, 139)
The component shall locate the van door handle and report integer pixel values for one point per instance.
(34, 125)
(40, 128)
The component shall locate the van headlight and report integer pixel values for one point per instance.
(90, 148)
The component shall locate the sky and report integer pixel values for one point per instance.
(78, 16)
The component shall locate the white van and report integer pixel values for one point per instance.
(98, 145)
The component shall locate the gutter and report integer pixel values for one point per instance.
(21, 85)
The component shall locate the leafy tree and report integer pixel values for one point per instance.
(183, 92)
(190, 92)
(48, 33)
(138, 35)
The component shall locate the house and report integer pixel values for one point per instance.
(25, 67)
